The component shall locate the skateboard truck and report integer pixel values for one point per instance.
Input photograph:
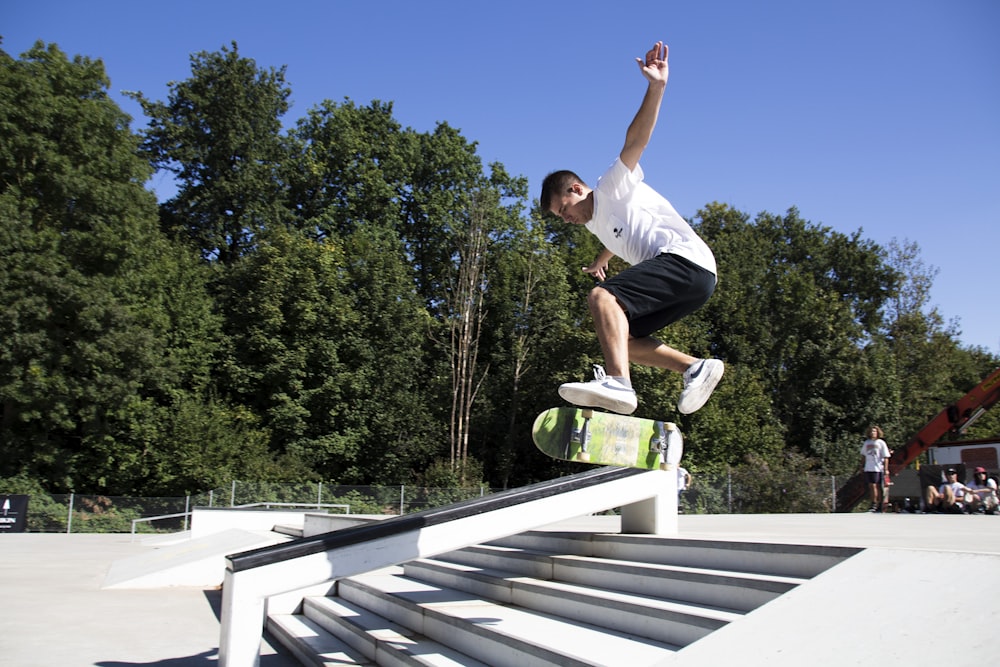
(658, 443)
(666, 441)
(581, 436)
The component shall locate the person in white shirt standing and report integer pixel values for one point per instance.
(672, 272)
(876, 466)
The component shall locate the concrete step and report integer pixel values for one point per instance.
(782, 560)
(378, 639)
(287, 529)
(311, 644)
(550, 598)
(497, 634)
(735, 591)
(664, 621)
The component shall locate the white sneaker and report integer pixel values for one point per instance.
(699, 382)
(601, 392)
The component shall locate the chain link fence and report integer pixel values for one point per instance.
(80, 513)
(743, 492)
(738, 492)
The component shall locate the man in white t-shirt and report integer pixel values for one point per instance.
(876, 466)
(672, 272)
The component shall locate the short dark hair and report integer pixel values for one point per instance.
(557, 181)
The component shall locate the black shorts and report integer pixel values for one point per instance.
(660, 291)
(873, 477)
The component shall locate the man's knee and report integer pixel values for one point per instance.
(599, 298)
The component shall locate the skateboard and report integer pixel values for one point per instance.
(589, 436)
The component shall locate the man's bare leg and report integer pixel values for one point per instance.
(610, 389)
(649, 351)
(700, 376)
(611, 324)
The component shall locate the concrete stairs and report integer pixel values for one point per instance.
(547, 598)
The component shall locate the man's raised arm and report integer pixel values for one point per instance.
(656, 71)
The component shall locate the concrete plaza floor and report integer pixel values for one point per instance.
(919, 574)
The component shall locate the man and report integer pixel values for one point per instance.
(672, 272)
(683, 480)
(949, 497)
(982, 493)
(876, 455)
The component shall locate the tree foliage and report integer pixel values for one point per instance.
(219, 134)
(106, 325)
(353, 301)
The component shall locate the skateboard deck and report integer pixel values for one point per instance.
(589, 436)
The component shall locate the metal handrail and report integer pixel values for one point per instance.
(154, 518)
(265, 505)
(269, 505)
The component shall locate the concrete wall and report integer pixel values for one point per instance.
(317, 524)
(211, 520)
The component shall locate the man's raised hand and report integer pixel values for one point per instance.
(655, 67)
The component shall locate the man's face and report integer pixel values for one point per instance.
(575, 205)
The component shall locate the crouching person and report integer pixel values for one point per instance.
(949, 497)
(982, 493)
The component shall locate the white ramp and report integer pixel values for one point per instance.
(199, 562)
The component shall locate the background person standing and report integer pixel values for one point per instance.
(876, 465)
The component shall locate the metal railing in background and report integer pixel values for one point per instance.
(732, 493)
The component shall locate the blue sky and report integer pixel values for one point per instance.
(879, 115)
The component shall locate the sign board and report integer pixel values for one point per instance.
(13, 513)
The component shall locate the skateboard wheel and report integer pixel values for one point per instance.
(587, 414)
(583, 456)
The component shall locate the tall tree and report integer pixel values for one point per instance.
(466, 312)
(219, 133)
(530, 331)
(798, 303)
(102, 322)
(348, 168)
(931, 369)
(325, 346)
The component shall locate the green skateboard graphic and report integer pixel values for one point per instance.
(589, 436)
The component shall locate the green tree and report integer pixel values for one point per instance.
(347, 169)
(103, 323)
(528, 332)
(493, 218)
(325, 347)
(924, 352)
(219, 133)
(205, 444)
(798, 303)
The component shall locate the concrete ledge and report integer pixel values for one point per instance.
(318, 524)
(207, 521)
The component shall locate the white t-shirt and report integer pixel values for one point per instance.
(681, 478)
(990, 484)
(957, 488)
(875, 453)
(636, 223)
